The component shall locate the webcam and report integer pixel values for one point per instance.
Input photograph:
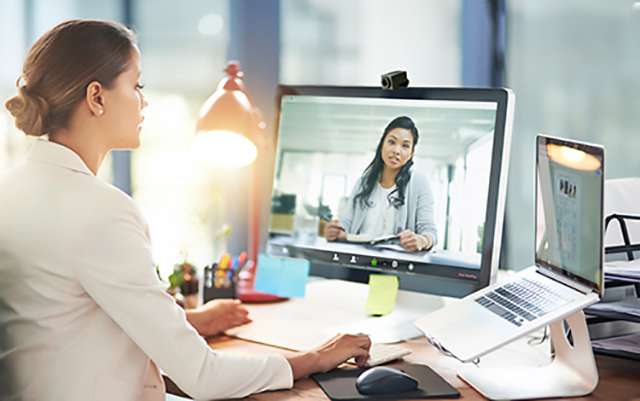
(394, 80)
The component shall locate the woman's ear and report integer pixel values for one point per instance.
(95, 98)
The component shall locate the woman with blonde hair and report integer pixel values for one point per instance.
(83, 315)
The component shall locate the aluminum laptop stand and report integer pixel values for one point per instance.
(571, 373)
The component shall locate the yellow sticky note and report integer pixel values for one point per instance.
(383, 291)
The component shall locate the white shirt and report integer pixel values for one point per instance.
(83, 315)
(381, 216)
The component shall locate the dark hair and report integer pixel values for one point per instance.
(59, 67)
(373, 171)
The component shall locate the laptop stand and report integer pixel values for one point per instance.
(571, 373)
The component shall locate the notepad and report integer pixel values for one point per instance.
(368, 239)
(383, 290)
(284, 277)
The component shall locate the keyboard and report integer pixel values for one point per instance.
(521, 301)
(383, 353)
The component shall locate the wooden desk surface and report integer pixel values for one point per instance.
(619, 378)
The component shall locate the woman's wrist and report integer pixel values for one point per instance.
(305, 364)
(425, 242)
(193, 316)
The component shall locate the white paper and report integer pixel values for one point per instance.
(568, 201)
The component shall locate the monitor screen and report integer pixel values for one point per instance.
(408, 182)
(569, 200)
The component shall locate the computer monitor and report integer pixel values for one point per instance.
(451, 192)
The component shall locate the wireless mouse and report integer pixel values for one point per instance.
(384, 380)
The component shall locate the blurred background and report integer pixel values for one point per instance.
(573, 66)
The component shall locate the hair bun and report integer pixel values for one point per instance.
(30, 112)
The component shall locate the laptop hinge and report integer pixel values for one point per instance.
(564, 280)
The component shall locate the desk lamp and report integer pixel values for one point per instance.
(229, 133)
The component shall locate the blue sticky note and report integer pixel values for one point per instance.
(284, 277)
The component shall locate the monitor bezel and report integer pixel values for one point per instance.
(494, 216)
(593, 149)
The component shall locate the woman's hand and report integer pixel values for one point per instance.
(333, 230)
(414, 242)
(217, 316)
(331, 354)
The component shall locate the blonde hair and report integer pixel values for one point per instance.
(59, 67)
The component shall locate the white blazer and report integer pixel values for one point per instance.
(83, 315)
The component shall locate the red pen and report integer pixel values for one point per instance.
(242, 259)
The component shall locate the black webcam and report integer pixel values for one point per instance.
(394, 80)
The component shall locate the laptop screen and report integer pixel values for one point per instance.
(569, 197)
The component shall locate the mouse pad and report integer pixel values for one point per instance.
(340, 384)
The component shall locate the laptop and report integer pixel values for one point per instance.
(567, 275)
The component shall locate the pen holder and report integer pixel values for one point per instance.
(219, 283)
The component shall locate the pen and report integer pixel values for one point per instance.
(208, 276)
(224, 261)
(218, 275)
(242, 273)
(242, 259)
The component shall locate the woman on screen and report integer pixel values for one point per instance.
(83, 315)
(390, 199)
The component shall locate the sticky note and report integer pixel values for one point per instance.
(383, 291)
(284, 277)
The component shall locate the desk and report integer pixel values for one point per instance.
(619, 378)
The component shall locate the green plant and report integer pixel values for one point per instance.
(176, 279)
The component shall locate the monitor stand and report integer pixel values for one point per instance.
(331, 307)
(392, 328)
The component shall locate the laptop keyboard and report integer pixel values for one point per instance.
(521, 301)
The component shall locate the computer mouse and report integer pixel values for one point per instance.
(384, 380)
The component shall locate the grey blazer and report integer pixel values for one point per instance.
(416, 214)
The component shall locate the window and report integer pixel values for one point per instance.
(183, 56)
(21, 23)
(333, 42)
(573, 66)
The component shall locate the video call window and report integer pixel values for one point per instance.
(327, 152)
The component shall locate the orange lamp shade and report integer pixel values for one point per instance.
(227, 124)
